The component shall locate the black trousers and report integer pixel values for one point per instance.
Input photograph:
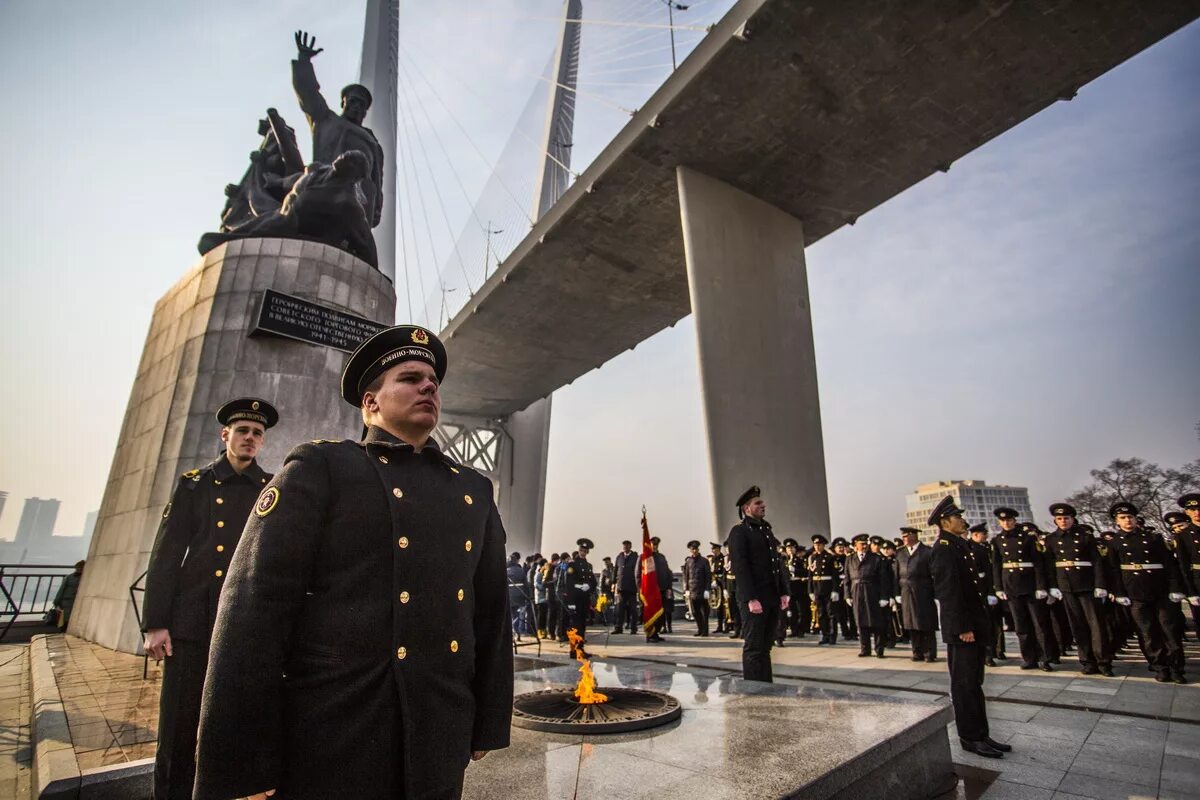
(758, 630)
(1091, 637)
(799, 610)
(700, 612)
(966, 689)
(825, 620)
(996, 646)
(924, 643)
(627, 611)
(864, 638)
(1060, 624)
(1031, 617)
(179, 720)
(1158, 628)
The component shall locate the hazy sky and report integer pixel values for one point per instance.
(1022, 319)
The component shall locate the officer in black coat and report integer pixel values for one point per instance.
(626, 588)
(1080, 581)
(1148, 582)
(716, 564)
(199, 532)
(1188, 551)
(965, 624)
(987, 590)
(799, 611)
(1019, 574)
(824, 588)
(918, 611)
(363, 646)
(581, 583)
(868, 590)
(697, 577)
(761, 586)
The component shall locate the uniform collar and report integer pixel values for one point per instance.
(224, 471)
(378, 437)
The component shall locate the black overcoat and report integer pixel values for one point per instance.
(199, 532)
(697, 576)
(1074, 562)
(1143, 568)
(754, 559)
(824, 573)
(626, 564)
(918, 611)
(867, 582)
(1018, 564)
(363, 646)
(954, 569)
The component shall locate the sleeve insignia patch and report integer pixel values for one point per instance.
(1103, 550)
(267, 501)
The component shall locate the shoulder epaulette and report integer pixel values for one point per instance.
(326, 441)
(190, 479)
(194, 474)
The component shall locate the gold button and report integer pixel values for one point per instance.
(220, 524)
(467, 497)
(219, 501)
(264, 480)
(403, 542)
(460, 594)
(401, 653)
(216, 483)
(404, 597)
(220, 548)
(454, 470)
(468, 545)
(220, 573)
(454, 646)
(383, 460)
(398, 493)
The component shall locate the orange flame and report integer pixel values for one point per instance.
(585, 690)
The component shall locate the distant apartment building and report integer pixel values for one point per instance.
(37, 521)
(976, 498)
(89, 524)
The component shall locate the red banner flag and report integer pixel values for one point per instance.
(652, 607)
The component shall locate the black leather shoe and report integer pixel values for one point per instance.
(1045, 667)
(879, 654)
(617, 630)
(1106, 670)
(1088, 669)
(1163, 677)
(981, 749)
(917, 658)
(864, 653)
(1177, 676)
(991, 662)
(992, 743)
(931, 660)
(1029, 665)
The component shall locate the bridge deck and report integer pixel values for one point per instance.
(822, 109)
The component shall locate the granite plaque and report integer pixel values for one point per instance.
(283, 315)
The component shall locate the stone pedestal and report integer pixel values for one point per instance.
(758, 369)
(197, 355)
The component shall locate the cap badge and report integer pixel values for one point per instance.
(420, 337)
(254, 406)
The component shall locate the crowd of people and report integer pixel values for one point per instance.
(1071, 590)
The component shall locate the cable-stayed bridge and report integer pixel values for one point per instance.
(785, 121)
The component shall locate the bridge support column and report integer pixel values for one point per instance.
(522, 479)
(749, 293)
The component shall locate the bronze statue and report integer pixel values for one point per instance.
(325, 205)
(274, 168)
(332, 134)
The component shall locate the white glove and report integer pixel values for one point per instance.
(1125, 601)
(1100, 593)
(883, 603)
(991, 600)
(706, 595)
(1176, 597)
(834, 596)
(1194, 600)
(1056, 594)
(583, 587)
(1040, 594)
(1002, 595)
(898, 600)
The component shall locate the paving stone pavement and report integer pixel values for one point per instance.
(1113, 751)
(16, 755)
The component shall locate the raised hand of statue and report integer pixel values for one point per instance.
(306, 46)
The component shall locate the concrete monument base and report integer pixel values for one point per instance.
(199, 354)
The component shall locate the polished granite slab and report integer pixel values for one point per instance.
(735, 739)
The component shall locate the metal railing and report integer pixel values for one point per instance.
(28, 590)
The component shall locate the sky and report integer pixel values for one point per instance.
(1022, 319)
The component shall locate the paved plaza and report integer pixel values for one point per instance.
(1074, 737)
